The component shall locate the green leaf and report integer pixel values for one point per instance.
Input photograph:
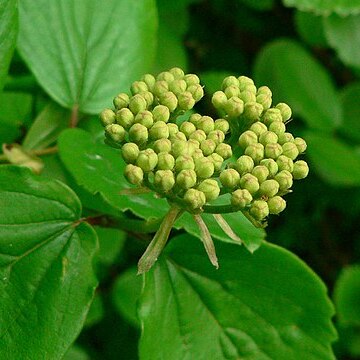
(85, 52)
(343, 34)
(8, 34)
(347, 296)
(311, 93)
(259, 5)
(46, 275)
(96, 312)
(268, 305)
(333, 160)
(99, 169)
(326, 7)
(76, 353)
(310, 28)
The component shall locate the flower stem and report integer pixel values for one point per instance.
(226, 228)
(47, 151)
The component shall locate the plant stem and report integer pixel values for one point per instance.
(74, 118)
(47, 151)
(226, 228)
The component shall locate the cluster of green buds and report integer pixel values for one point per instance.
(192, 160)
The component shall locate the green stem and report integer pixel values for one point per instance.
(226, 228)
(158, 243)
(47, 151)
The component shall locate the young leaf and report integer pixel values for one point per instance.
(268, 305)
(84, 52)
(310, 28)
(46, 275)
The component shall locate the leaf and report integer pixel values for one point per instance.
(334, 160)
(295, 77)
(326, 7)
(343, 34)
(310, 28)
(76, 353)
(254, 307)
(99, 169)
(43, 250)
(96, 312)
(8, 34)
(85, 52)
(259, 5)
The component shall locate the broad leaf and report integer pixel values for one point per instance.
(46, 276)
(85, 52)
(310, 28)
(268, 305)
(8, 34)
(295, 77)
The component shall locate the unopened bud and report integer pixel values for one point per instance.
(147, 160)
(197, 154)
(241, 198)
(300, 144)
(198, 135)
(194, 118)
(285, 163)
(162, 145)
(277, 127)
(250, 183)
(115, 132)
(184, 162)
(133, 174)
(210, 188)
(166, 76)
(259, 209)
(169, 100)
(268, 137)
(206, 123)
(252, 111)
(186, 179)
(178, 136)
(196, 91)
(145, 118)
(185, 101)
(271, 115)
(244, 164)
(195, 199)
(161, 113)
(177, 72)
(164, 180)
(219, 100)
(125, 118)
(258, 128)
(234, 106)
(273, 151)
(276, 205)
(137, 103)
(261, 172)
(138, 86)
(178, 86)
(290, 150)
(160, 87)
(229, 81)
(217, 136)
(107, 117)
(191, 79)
(264, 90)
(159, 131)
(222, 125)
(247, 138)
(264, 100)
(138, 134)
(269, 188)
(285, 111)
(285, 137)
(173, 129)
(217, 161)
(248, 96)
(285, 179)
(256, 152)
(224, 150)
(130, 152)
(165, 161)
(231, 91)
(149, 98)
(208, 147)
(149, 80)
(271, 165)
(121, 101)
(179, 147)
(229, 178)
(245, 82)
(187, 128)
(301, 170)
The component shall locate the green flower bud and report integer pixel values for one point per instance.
(177, 72)
(166, 76)
(185, 101)
(164, 180)
(247, 138)
(269, 188)
(259, 209)
(244, 164)
(125, 118)
(285, 163)
(264, 90)
(285, 137)
(138, 134)
(276, 205)
(258, 128)
(178, 136)
(234, 106)
(186, 179)
(115, 132)
(300, 144)
(268, 137)
(107, 117)
(271, 165)
(271, 115)
(206, 123)
(229, 178)
(219, 100)
(284, 110)
(301, 170)
(241, 198)
(245, 82)
(138, 86)
(229, 81)
(121, 101)
(160, 87)
(224, 150)
(173, 129)
(159, 131)
(169, 100)
(187, 128)
(137, 103)
(248, 96)
(191, 79)
(222, 125)
(210, 188)
(165, 161)
(130, 152)
(256, 152)
(193, 145)
(196, 91)
(184, 162)
(133, 174)
(161, 113)
(147, 160)
(252, 111)
(285, 179)
(264, 100)
(217, 136)
(231, 91)
(162, 145)
(251, 88)
(149, 80)
(290, 150)
(145, 118)
(195, 199)
(204, 167)
(261, 172)
(194, 118)
(179, 147)
(277, 127)
(208, 147)
(197, 153)
(217, 161)
(149, 98)
(273, 151)
(250, 183)
(178, 86)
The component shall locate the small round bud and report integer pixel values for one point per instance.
(247, 138)
(229, 178)
(245, 82)
(264, 100)
(137, 103)
(179, 147)
(248, 96)
(178, 136)
(169, 100)
(264, 90)
(149, 98)
(250, 183)
(173, 129)
(276, 205)
(249, 88)
(217, 136)
(258, 128)
(222, 125)
(284, 110)
(130, 152)
(191, 79)
(204, 167)
(161, 113)
(259, 209)
(149, 80)
(234, 107)
(271, 115)
(273, 151)
(252, 111)
(133, 174)
(269, 188)
(244, 164)
(300, 144)
(107, 117)
(166, 76)
(277, 127)
(285, 179)
(301, 170)
(285, 137)
(162, 145)
(177, 72)
(187, 128)
(186, 179)
(206, 123)
(193, 145)
(194, 118)
(241, 198)
(159, 131)
(219, 100)
(256, 152)
(261, 172)
(138, 134)
(217, 161)
(160, 87)
(196, 91)
(224, 150)
(198, 135)
(197, 154)
(115, 132)
(271, 165)
(186, 101)
(210, 188)
(231, 91)
(121, 101)
(268, 137)
(164, 180)
(184, 162)
(145, 118)
(195, 199)
(138, 86)
(178, 86)
(147, 160)
(125, 118)
(229, 81)
(285, 163)
(165, 161)
(290, 150)
(208, 147)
